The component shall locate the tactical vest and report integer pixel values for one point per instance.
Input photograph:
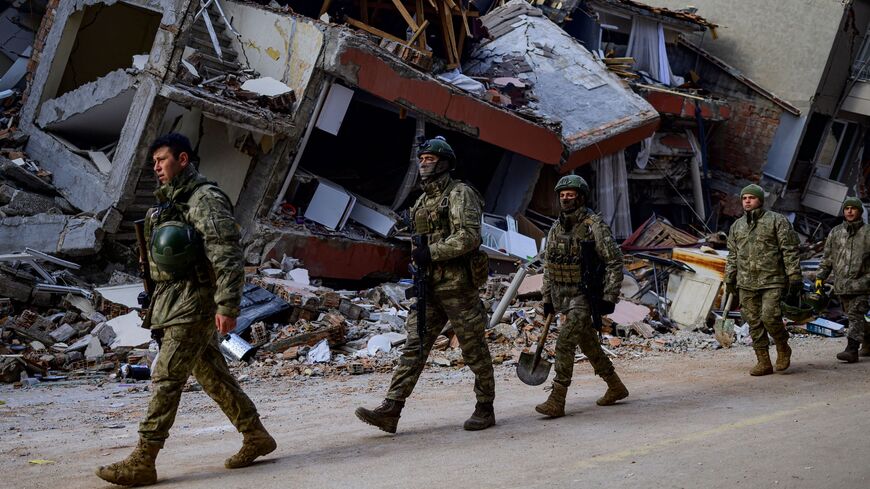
(564, 251)
(434, 220)
(200, 270)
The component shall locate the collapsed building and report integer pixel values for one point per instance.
(300, 119)
(308, 115)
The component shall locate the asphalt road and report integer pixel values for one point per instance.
(692, 421)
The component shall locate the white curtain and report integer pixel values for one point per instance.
(611, 188)
(646, 45)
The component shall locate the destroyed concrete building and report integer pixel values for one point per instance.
(285, 110)
(814, 61)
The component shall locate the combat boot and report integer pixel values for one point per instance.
(386, 416)
(482, 418)
(135, 470)
(256, 443)
(554, 406)
(783, 356)
(865, 347)
(763, 367)
(616, 390)
(850, 354)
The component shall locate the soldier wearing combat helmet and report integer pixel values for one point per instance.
(582, 278)
(196, 264)
(449, 214)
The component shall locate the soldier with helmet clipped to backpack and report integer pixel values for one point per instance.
(582, 278)
(449, 214)
(196, 265)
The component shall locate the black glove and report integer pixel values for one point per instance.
(422, 256)
(731, 288)
(606, 307)
(548, 309)
(157, 335)
(795, 287)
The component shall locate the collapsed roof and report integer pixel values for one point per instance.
(565, 83)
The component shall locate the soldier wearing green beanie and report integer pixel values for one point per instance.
(762, 266)
(845, 257)
(754, 190)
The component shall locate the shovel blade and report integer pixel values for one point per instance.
(723, 330)
(528, 373)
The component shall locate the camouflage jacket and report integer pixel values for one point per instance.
(219, 289)
(564, 246)
(762, 251)
(847, 255)
(450, 213)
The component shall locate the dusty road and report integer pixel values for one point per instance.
(696, 420)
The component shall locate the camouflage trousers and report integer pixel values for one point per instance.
(467, 315)
(760, 308)
(193, 348)
(855, 306)
(577, 330)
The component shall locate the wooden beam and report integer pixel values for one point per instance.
(462, 38)
(418, 32)
(405, 15)
(374, 30)
(325, 7)
(421, 17)
(450, 37)
(465, 24)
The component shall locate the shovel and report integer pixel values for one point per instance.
(723, 328)
(530, 369)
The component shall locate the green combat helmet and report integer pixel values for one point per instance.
(439, 147)
(573, 181)
(175, 247)
(796, 309)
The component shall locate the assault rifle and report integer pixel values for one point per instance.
(592, 280)
(144, 298)
(419, 291)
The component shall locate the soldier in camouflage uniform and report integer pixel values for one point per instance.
(196, 264)
(762, 264)
(449, 213)
(847, 256)
(564, 291)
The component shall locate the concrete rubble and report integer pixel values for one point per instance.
(528, 91)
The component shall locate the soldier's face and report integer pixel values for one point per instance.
(429, 165)
(167, 166)
(750, 202)
(851, 213)
(568, 200)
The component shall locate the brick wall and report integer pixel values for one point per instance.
(39, 43)
(740, 145)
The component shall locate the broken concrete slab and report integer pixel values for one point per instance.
(129, 331)
(51, 233)
(105, 333)
(127, 295)
(23, 177)
(94, 349)
(84, 98)
(63, 333)
(531, 285)
(23, 203)
(266, 86)
(81, 344)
